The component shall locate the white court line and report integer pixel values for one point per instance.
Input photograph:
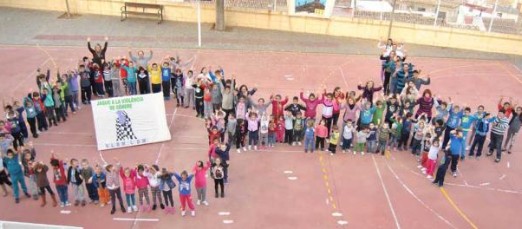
(103, 159)
(163, 144)
(11, 224)
(386, 193)
(70, 133)
(502, 177)
(223, 213)
(136, 219)
(33, 73)
(417, 198)
(64, 145)
(342, 74)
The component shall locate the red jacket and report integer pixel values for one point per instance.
(98, 75)
(59, 177)
(123, 72)
(278, 107)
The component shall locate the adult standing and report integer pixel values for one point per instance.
(141, 60)
(98, 53)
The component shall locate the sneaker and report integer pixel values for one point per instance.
(238, 151)
(67, 203)
(17, 200)
(205, 203)
(429, 177)
(509, 151)
(331, 154)
(255, 148)
(154, 207)
(102, 205)
(27, 195)
(182, 213)
(362, 153)
(62, 205)
(162, 206)
(134, 208)
(419, 166)
(467, 147)
(299, 143)
(76, 203)
(244, 149)
(249, 147)
(354, 152)
(497, 160)
(454, 174)
(84, 203)
(198, 202)
(344, 151)
(306, 151)
(193, 213)
(129, 210)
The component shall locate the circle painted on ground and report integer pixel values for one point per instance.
(292, 178)
(342, 222)
(228, 221)
(337, 214)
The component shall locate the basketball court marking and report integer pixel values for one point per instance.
(163, 144)
(445, 194)
(397, 225)
(136, 219)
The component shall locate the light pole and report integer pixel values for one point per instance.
(493, 15)
(437, 13)
(391, 18)
(199, 22)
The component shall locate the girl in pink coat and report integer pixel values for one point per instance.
(200, 174)
(128, 177)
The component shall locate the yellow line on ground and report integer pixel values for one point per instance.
(445, 194)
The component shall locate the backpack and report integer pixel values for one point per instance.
(218, 172)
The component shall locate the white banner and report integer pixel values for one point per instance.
(130, 121)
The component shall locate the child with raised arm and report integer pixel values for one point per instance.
(11, 161)
(42, 182)
(87, 173)
(113, 184)
(128, 177)
(75, 179)
(99, 181)
(185, 197)
(166, 186)
(253, 130)
(200, 172)
(60, 180)
(153, 175)
(142, 183)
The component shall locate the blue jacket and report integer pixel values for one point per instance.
(98, 180)
(223, 154)
(13, 165)
(184, 185)
(456, 145)
(165, 74)
(168, 182)
(467, 121)
(367, 115)
(454, 118)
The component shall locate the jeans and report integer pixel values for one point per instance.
(207, 109)
(132, 88)
(372, 146)
(253, 137)
(478, 142)
(167, 195)
(496, 144)
(319, 142)
(62, 193)
(454, 162)
(116, 193)
(382, 146)
(416, 146)
(15, 179)
(156, 88)
(189, 98)
(347, 143)
(271, 138)
(510, 139)
(309, 143)
(130, 199)
(93, 193)
(165, 85)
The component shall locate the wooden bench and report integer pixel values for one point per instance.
(134, 8)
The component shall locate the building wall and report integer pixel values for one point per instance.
(336, 26)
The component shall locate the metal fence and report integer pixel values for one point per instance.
(464, 14)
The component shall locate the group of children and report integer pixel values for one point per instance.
(103, 184)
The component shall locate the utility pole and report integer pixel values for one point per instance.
(437, 13)
(493, 15)
(220, 15)
(391, 19)
(199, 22)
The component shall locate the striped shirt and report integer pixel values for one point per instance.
(499, 126)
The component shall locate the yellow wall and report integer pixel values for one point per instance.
(336, 26)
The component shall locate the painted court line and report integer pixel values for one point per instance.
(136, 219)
(11, 224)
(163, 144)
(292, 178)
(223, 213)
(228, 221)
(417, 198)
(65, 145)
(386, 194)
(445, 194)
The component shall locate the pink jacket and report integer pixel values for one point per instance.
(212, 152)
(321, 131)
(129, 186)
(311, 105)
(199, 174)
(141, 181)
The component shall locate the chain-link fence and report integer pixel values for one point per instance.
(500, 16)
